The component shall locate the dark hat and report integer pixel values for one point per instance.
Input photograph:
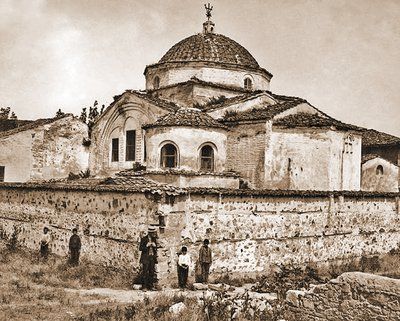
(151, 229)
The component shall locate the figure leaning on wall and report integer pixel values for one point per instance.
(74, 247)
(183, 267)
(45, 244)
(148, 258)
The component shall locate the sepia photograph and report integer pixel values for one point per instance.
(199, 161)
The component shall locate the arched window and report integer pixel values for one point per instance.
(156, 82)
(248, 84)
(379, 170)
(169, 156)
(207, 158)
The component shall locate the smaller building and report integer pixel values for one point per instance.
(44, 149)
(379, 174)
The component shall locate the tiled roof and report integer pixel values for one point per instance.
(32, 125)
(172, 171)
(371, 137)
(140, 183)
(197, 81)
(210, 47)
(191, 117)
(8, 124)
(311, 120)
(263, 113)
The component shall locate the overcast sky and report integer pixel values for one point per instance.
(342, 56)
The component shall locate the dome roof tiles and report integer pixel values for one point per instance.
(210, 47)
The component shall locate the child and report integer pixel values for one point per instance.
(183, 267)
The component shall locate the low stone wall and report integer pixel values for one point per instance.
(250, 231)
(352, 296)
(109, 222)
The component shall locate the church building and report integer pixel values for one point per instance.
(207, 118)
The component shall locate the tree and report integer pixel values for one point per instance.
(13, 116)
(5, 112)
(83, 116)
(59, 113)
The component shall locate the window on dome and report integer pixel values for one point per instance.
(115, 150)
(207, 158)
(156, 82)
(169, 156)
(379, 170)
(248, 84)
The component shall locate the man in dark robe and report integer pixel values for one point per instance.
(148, 258)
(205, 260)
(74, 248)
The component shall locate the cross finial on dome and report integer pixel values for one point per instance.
(208, 10)
(208, 26)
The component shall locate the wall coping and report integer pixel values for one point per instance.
(168, 189)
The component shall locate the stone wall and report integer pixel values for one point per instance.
(351, 297)
(109, 223)
(250, 231)
(254, 234)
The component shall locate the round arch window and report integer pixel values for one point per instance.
(156, 82)
(379, 170)
(248, 83)
(169, 156)
(207, 158)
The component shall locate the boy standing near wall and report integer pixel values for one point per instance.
(205, 260)
(44, 244)
(183, 267)
(74, 247)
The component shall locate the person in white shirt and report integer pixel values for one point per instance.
(44, 244)
(183, 267)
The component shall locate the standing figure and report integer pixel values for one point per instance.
(44, 244)
(148, 258)
(205, 260)
(74, 247)
(183, 267)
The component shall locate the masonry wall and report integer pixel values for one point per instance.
(351, 297)
(249, 233)
(245, 152)
(311, 159)
(371, 180)
(253, 234)
(46, 152)
(109, 223)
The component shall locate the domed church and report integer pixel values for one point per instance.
(207, 118)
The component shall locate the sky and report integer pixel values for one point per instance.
(342, 56)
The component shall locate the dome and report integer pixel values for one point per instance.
(210, 47)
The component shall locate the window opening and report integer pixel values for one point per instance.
(115, 150)
(207, 158)
(248, 84)
(379, 170)
(169, 156)
(130, 145)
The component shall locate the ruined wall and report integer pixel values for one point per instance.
(253, 234)
(351, 297)
(48, 151)
(373, 180)
(188, 141)
(109, 223)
